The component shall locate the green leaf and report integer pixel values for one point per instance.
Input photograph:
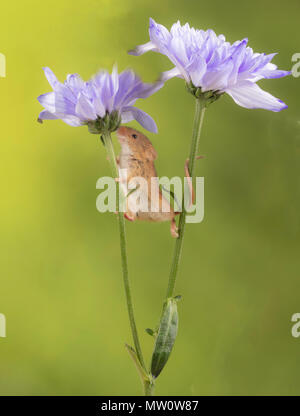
(142, 373)
(165, 338)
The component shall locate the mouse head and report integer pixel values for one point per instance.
(139, 145)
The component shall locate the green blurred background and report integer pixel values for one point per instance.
(61, 286)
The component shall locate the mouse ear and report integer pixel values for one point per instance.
(151, 153)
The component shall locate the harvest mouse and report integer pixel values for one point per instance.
(137, 156)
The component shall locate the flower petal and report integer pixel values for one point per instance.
(126, 80)
(48, 101)
(145, 90)
(126, 115)
(106, 91)
(159, 35)
(174, 72)
(197, 70)
(46, 115)
(217, 80)
(84, 108)
(115, 79)
(249, 95)
(75, 83)
(141, 49)
(51, 78)
(72, 121)
(179, 50)
(273, 73)
(99, 107)
(130, 113)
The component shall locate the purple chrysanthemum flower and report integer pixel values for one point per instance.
(105, 100)
(212, 64)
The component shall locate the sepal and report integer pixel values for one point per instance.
(110, 122)
(208, 96)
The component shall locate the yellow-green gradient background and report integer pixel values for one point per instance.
(61, 287)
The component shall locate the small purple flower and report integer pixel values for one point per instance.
(212, 64)
(103, 99)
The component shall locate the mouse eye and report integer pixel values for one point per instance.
(134, 136)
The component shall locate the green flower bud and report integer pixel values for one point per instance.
(165, 338)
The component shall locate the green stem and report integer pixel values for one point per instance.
(112, 159)
(149, 387)
(198, 121)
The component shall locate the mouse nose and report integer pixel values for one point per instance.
(121, 133)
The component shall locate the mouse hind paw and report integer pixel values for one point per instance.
(174, 229)
(129, 217)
